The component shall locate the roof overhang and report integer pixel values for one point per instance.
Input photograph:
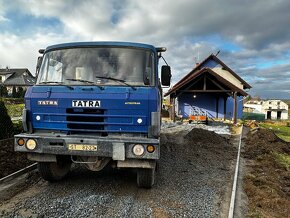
(224, 86)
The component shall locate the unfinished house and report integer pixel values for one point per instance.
(272, 109)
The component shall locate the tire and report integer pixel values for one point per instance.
(145, 178)
(53, 171)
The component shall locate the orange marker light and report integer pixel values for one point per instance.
(150, 148)
(20, 142)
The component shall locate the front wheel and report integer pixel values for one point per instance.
(53, 171)
(146, 177)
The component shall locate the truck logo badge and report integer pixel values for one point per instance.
(86, 103)
(50, 103)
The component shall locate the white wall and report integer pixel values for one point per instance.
(228, 76)
(256, 107)
(273, 106)
(270, 105)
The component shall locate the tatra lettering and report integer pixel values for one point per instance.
(85, 103)
(53, 103)
(80, 104)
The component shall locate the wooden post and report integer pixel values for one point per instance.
(235, 107)
(225, 108)
(217, 107)
(172, 100)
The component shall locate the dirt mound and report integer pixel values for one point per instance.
(267, 182)
(200, 147)
(264, 142)
(11, 161)
(201, 135)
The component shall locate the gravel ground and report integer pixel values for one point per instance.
(193, 175)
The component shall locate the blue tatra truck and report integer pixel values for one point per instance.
(95, 103)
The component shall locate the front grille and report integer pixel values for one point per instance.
(85, 119)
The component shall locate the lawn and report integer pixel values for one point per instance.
(280, 129)
(14, 106)
(14, 110)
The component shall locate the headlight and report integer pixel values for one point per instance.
(31, 144)
(138, 150)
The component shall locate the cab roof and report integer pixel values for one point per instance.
(99, 44)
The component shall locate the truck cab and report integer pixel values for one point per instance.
(95, 103)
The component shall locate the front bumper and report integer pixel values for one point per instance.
(118, 148)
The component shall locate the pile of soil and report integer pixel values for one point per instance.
(11, 161)
(267, 182)
(264, 141)
(202, 135)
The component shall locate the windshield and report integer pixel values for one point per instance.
(99, 66)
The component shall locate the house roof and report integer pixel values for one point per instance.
(199, 69)
(18, 77)
(201, 72)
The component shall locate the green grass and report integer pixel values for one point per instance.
(283, 159)
(14, 110)
(281, 131)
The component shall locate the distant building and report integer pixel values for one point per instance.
(272, 109)
(20, 77)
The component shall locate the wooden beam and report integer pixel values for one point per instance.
(204, 82)
(217, 107)
(235, 107)
(192, 84)
(225, 108)
(173, 109)
(218, 85)
(191, 91)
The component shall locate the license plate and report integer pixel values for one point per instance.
(82, 147)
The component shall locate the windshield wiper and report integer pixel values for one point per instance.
(59, 83)
(85, 81)
(117, 80)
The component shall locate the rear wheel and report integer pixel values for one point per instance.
(146, 177)
(53, 171)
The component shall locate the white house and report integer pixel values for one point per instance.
(272, 109)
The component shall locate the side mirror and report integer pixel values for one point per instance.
(39, 61)
(165, 75)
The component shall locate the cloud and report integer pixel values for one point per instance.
(3, 18)
(256, 30)
(2, 12)
(243, 22)
(18, 52)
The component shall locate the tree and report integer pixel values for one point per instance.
(3, 91)
(20, 93)
(14, 92)
(6, 125)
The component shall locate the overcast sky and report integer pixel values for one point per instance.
(253, 36)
